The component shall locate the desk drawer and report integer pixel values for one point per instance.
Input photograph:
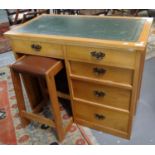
(108, 57)
(106, 95)
(37, 48)
(104, 117)
(100, 72)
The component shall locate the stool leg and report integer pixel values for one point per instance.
(55, 105)
(19, 95)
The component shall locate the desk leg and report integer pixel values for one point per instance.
(141, 68)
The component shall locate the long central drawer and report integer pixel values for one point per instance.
(117, 58)
(105, 95)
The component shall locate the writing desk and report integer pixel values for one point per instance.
(104, 59)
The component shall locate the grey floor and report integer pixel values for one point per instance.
(6, 59)
(143, 131)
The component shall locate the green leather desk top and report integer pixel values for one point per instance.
(119, 29)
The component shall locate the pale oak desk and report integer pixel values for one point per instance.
(104, 59)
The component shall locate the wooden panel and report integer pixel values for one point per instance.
(99, 127)
(47, 49)
(99, 72)
(102, 94)
(102, 116)
(123, 59)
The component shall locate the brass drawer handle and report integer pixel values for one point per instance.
(99, 116)
(99, 93)
(36, 47)
(97, 55)
(99, 71)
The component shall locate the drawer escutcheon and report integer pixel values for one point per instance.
(36, 47)
(99, 71)
(97, 55)
(99, 93)
(99, 116)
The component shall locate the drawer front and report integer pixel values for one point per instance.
(37, 48)
(100, 116)
(110, 96)
(100, 72)
(108, 57)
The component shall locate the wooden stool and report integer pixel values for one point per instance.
(40, 68)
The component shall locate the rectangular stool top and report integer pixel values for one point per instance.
(34, 65)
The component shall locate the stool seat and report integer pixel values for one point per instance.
(34, 65)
